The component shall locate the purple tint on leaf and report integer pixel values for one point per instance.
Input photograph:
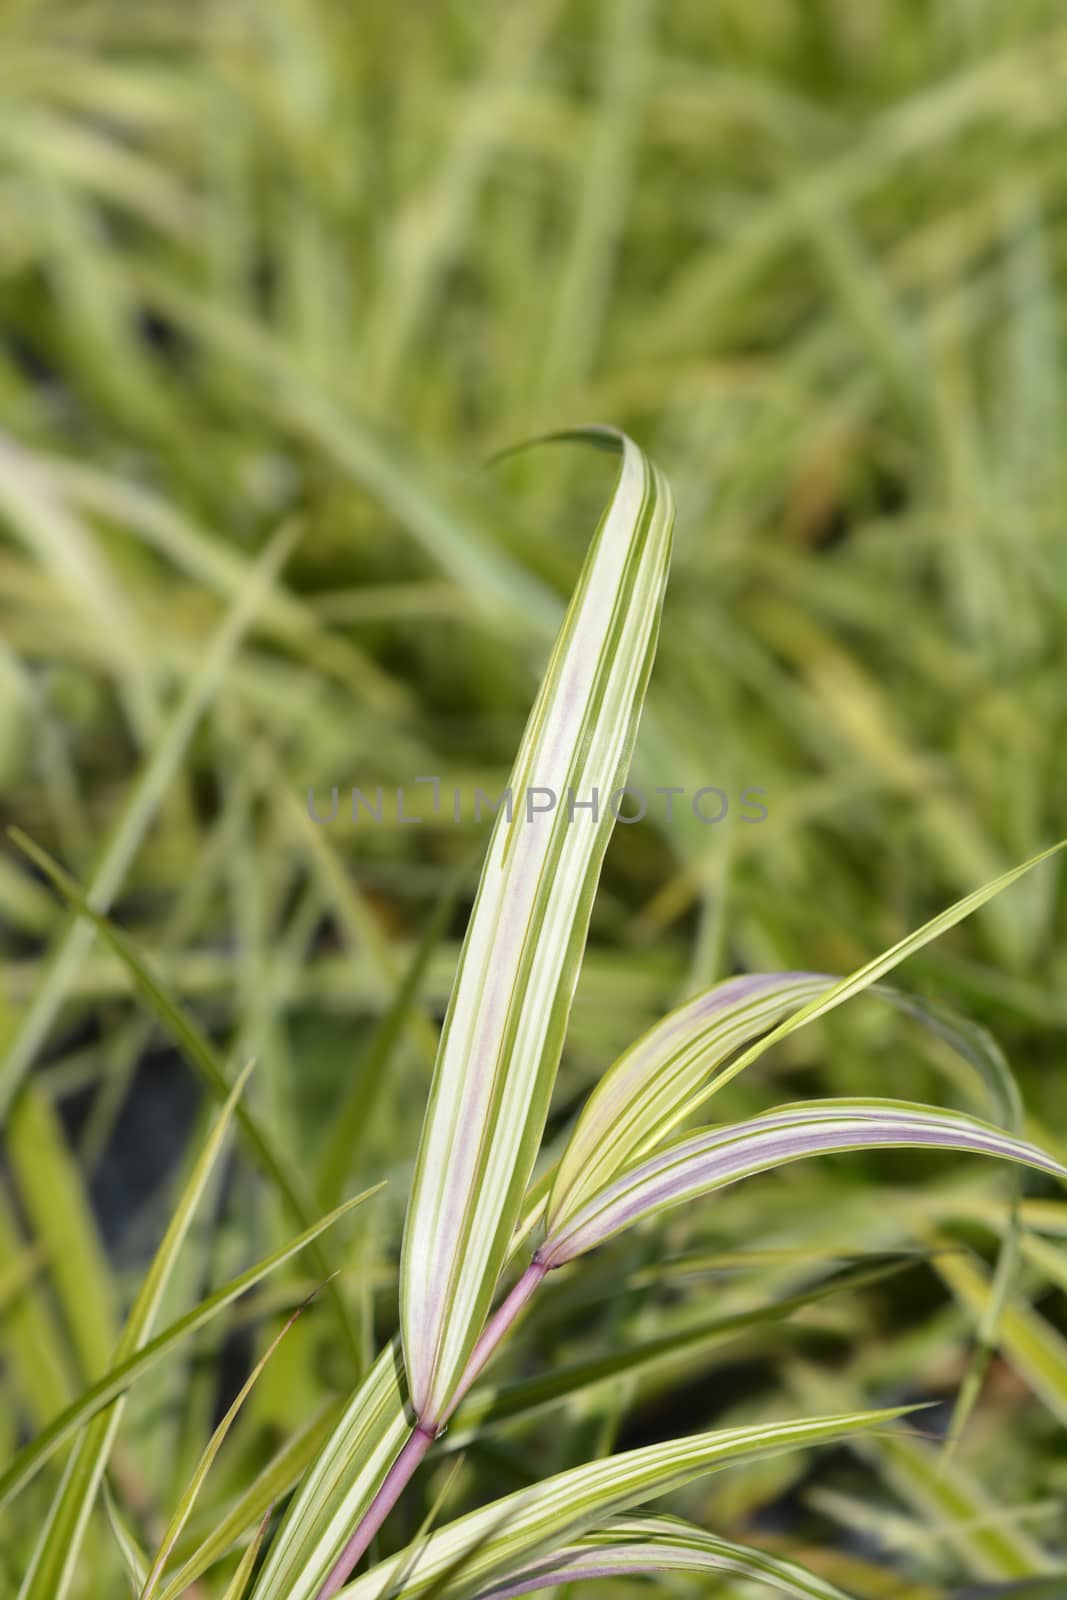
(715, 1157)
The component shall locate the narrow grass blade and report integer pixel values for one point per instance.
(33, 1456)
(196, 1049)
(340, 1486)
(276, 1479)
(55, 1559)
(353, 1119)
(133, 1557)
(951, 1504)
(699, 1163)
(1027, 1340)
(238, 1584)
(54, 1198)
(141, 806)
(183, 1511)
(503, 1032)
(470, 1555)
(37, 1358)
(491, 1406)
(635, 1546)
(869, 974)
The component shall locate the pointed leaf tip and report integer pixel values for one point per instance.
(506, 1019)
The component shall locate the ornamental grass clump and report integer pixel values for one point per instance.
(488, 1204)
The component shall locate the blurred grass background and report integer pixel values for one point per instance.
(305, 267)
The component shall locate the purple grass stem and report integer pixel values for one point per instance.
(426, 1431)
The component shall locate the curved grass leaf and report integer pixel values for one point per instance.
(656, 1082)
(634, 1546)
(711, 1158)
(663, 1078)
(504, 1029)
(473, 1553)
(667, 1074)
(33, 1456)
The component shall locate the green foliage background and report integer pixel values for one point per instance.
(305, 266)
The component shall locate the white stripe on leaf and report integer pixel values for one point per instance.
(504, 1029)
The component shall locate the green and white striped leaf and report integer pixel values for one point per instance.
(636, 1546)
(347, 1474)
(699, 1163)
(339, 1492)
(507, 1015)
(663, 1078)
(698, 1048)
(656, 1082)
(480, 1549)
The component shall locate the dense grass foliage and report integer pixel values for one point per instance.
(276, 282)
